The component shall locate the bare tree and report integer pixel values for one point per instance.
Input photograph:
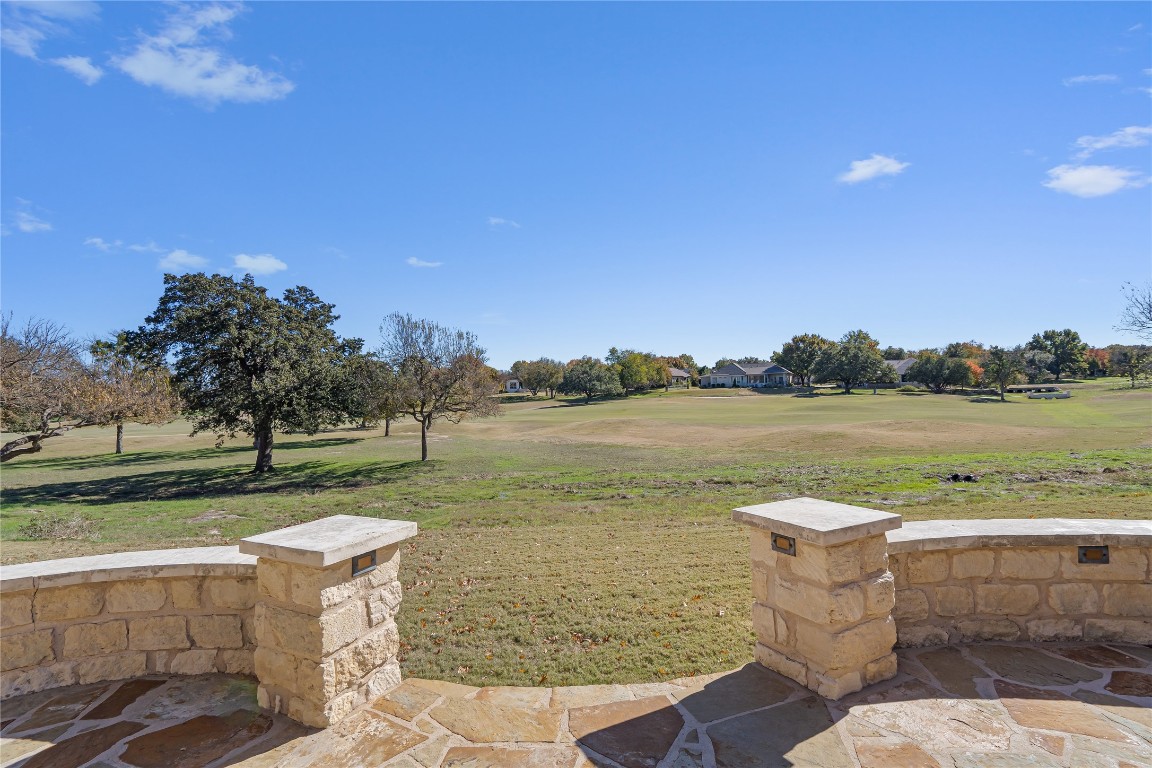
(40, 368)
(1137, 314)
(118, 387)
(440, 372)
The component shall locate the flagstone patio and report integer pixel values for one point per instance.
(978, 706)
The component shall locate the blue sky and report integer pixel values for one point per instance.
(559, 178)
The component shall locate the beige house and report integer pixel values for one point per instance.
(736, 375)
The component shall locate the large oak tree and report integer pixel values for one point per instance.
(244, 361)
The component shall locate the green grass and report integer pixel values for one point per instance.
(566, 543)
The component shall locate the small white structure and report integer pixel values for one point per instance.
(512, 385)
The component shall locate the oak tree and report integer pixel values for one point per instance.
(1003, 366)
(800, 355)
(853, 361)
(590, 377)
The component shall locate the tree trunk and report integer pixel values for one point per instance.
(119, 437)
(263, 448)
(424, 439)
(387, 426)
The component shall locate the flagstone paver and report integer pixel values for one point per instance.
(982, 706)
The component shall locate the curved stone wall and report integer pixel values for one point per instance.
(110, 617)
(974, 580)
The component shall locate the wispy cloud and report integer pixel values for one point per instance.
(873, 167)
(25, 24)
(182, 261)
(148, 247)
(259, 264)
(81, 66)
(496, 221)
(412, 261)
(1093, 180)
(29, 223)
(1132, 136)
(101, 244)
(185, 59)
(1090, 79)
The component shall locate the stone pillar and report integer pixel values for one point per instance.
(327, 595)
(823, 592)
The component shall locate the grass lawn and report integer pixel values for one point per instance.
(565, 543)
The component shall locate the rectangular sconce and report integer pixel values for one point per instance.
(361, 564)
(1092, 555)
(785, 545)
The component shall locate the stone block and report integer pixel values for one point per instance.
(26, 649)
(31, 679)
(784, 635)
(342, 625)
(764, 623)
(897, 564)
(287, 630)
(819, 604)
(235, 594)
(911, 605)
(66, 603)
(275, 668)
(15, 610)
(1128, 600)
(921, 637)
(135, 596)
(385, 679)
(1029, 564)
(953, 601)
(760, 578)
(1124, 564)
(881, 669)
(879, 595)
(851, 648)
(186, 594)
(273, 580)
(834, 685)
(760, 548)
(778, 662)
(1050, 630)
(158, 633)
(976, 564)
(988, 629)
(1073, 598)
(322, 588)
(926, 567)
(118, 666)
(95, 639)
(839, 564)
(222, 631)
(1007, 599)
(235, 662)
(317, 682)
(873, 554)
(363, 657)
(195, 662)
(1118, 631)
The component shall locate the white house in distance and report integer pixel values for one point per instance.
(512, 385)
(736, 375)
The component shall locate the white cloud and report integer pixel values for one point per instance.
(182, 60)
(496, 221)
(1093, 180)
(1132, 136)
(29, 224)
(260, 264)
(25, 24)
(1088, 79)
(181, 261)
(149, 247)
(81, 66)
(873, 167)
(102, 244)
(412, 261)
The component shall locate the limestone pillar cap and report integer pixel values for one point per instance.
(327, 541)
(824, 523)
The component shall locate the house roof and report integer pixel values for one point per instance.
(735, 369)
(678, 372)
(901, 366)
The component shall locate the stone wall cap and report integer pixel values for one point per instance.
(328, 541)
(125, 566)
(816, 521)
(928, 535)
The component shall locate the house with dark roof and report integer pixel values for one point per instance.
(678, 377)
(901, 367)
(736, 375)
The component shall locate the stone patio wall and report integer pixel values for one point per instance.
(1007, 580)
(111, 617)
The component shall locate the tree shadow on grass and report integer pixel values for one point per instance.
(194, 482)
(108, 460)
